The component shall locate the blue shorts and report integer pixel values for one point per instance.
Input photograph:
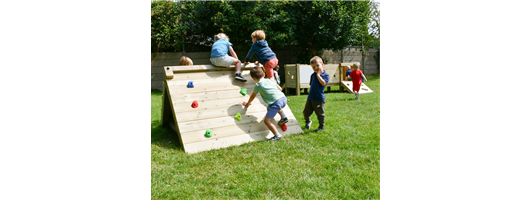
(275, 107)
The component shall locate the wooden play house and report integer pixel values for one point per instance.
(297, 76)
(219, 101)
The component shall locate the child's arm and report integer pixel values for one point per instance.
(249, 54)
(364, 77)
(246, 104)
(320, 79)
(232, 52)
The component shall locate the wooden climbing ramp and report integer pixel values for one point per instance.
(349, 87)
(219, 100)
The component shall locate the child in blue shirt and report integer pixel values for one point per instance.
(220, 58)
(316, 99)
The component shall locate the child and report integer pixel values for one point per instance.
(276, 75)
(357, 77)
(348, 73)
(272, 96)
(263, 52)
(220, 58)
(184, 60)
(316, 99)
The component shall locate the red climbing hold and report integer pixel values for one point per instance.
(284, 127)
(195, 104)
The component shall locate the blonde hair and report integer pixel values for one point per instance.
(316, 59)
(259, 34)
(356, 65)
(220, 36)
(184, 60)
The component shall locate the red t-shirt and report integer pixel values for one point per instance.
(356, 77)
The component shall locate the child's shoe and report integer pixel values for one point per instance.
(275, 138)
(283, 121)
(357, 96)
(239, 77)
(308, 124)
(319, 129)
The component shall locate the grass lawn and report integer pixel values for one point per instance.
(341, 162)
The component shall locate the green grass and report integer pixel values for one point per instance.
(340, 163)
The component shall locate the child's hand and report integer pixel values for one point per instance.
(245, 104)
(256, 63)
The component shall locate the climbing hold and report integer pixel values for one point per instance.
(243, 91)
(208, 133)
(167, 68)
(190, 84)
(195, 104)
(284, 127)
(238, 117)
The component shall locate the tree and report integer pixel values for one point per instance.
(328, 25)
(311, 25)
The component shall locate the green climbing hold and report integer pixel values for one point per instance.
(208, 133)
(243, 91)
(238, 117)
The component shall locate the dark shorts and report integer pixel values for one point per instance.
(275, 107)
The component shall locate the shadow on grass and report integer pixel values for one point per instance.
(164, 136)
(156, 91)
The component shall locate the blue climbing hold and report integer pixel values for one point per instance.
(190, 84)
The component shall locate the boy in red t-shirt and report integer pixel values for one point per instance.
(357, 77)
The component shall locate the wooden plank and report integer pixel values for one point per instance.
(227, 121)
(199, 68)
(236, 140)
(213, 104)
(349, 87)
(183, 89)
(208, 112)
(168, 72)
(213, 112)
(205, 75)
(229, 131)
(227, 78)
(209, 95)
(297, 79)
(174, 123)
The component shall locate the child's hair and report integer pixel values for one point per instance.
(256, 72)
(220, 36)
(356, 65)
(184, 60)
(277, 67)
(259, 35)
(316, 59)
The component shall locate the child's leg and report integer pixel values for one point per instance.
(271, 126)
(272, 110)
(269, 68)
(319, 111)
(308, 110)
(237, 63)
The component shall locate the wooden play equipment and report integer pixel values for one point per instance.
(298, 75)
(219, 100)
(348, 84)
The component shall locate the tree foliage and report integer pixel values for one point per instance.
(310, 25)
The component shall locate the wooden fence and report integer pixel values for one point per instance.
(285, 56)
